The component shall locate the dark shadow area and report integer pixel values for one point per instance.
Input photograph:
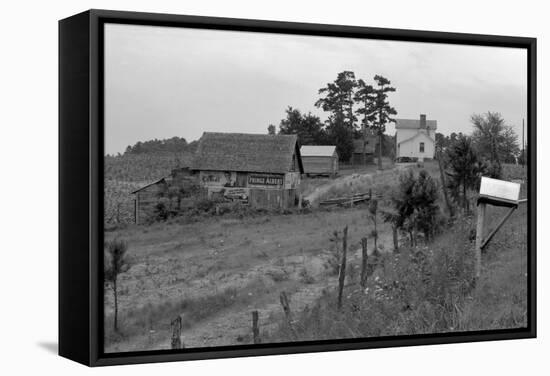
(51, 347)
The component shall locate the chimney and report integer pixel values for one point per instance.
(422, 121)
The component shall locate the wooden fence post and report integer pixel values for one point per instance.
(342, 273)
(255, 329)
(479, 239)
(364, 260)
(176, 333)
(283, 297)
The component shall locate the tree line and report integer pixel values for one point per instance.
(357, 109)
(169, 145)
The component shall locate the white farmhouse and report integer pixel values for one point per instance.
(415, 138)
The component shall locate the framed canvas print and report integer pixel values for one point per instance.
(235, 187)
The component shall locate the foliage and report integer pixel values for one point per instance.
(493, 139)
(115, 264)
(170, 145)
(428, 289)
(338, 99)
(465, 169)
(308, 127)
(365, 96)
(383, 110)
(342, 136)
(414, 205)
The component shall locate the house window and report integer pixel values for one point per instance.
(422, 147)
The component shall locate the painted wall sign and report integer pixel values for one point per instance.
(265, 180)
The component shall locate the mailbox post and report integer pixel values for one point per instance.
(497, 193)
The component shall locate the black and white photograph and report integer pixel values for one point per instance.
(268, 188)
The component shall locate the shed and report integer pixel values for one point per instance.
(263, 170)
(146, 199)
(364, 146)
(149, 196)
(320, 160)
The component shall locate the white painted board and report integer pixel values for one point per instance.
(499, 189)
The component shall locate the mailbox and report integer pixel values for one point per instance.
(498, 192)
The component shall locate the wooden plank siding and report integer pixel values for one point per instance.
(146, 201)
(271, 198)
(320, 165)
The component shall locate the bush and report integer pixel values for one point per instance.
(414, 205)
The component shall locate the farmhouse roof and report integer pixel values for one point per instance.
(317, 150)
(414, 124)
(246, 152)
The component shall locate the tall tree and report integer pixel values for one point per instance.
(114, 265)
(494, 140)
(308, 127)
(338, 100)
(384, 111)
(365, 96)
(464, 169)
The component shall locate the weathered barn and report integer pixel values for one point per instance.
(363, 151)
(263, 170)
(319, 160)
(164, 190)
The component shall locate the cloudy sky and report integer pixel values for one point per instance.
(162, 82)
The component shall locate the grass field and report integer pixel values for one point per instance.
(216, 271)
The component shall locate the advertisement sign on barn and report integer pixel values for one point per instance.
(270, 180)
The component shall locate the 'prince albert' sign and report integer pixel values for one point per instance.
(265, 180)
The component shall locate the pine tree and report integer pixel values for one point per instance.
(464, 169)
(338, 100)
(383, 111)
(366, 97)
(115, 264)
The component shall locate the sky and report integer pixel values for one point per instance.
(162, 82)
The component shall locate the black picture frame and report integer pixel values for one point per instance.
(81, 185)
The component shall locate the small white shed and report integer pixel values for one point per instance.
(319, 160)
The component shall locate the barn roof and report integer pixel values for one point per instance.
(317, 150)
(246, 152)
(414, 124)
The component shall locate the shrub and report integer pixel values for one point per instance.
(414, 205)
